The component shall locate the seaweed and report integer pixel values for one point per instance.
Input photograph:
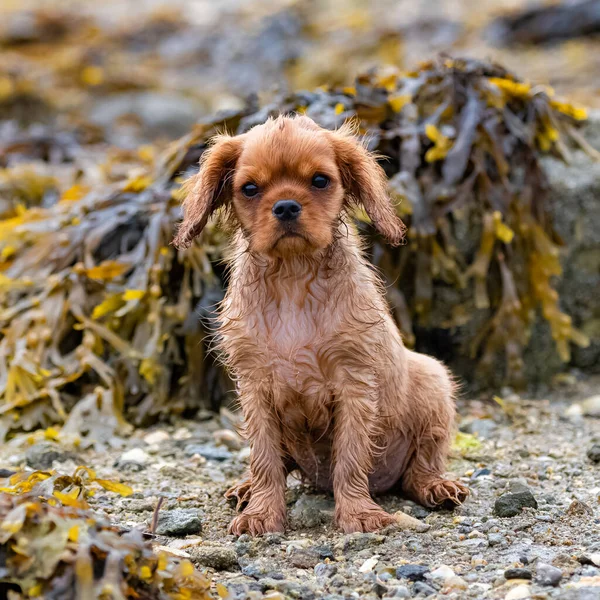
(99, 313)
(53, 546)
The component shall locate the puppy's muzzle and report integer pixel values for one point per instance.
(286, 210)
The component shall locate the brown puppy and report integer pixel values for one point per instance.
(324, 381)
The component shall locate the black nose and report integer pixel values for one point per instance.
(287, 210)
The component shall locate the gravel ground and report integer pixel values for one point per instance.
(529, 529)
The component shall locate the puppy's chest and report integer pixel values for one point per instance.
(292, 337)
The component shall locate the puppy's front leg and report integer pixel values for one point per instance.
(266, 510)
(354, 434)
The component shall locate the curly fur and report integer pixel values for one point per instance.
(324, 380)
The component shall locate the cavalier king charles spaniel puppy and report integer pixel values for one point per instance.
(324, 381)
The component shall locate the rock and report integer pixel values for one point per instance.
(369, 564)
(512, 503)
(412, 572)
(495, 538)
(42, 455)
(573, 205)
(358, 541)
(311, 511)
(218, 558)
(135, 455)
(482, 428)
(399, 591)
(442, 573)
(590, 407)
(407, 522)
(423, 589)
(208, 451)
(455, 584)
(325, 569)
(179, 522)
(594, 453)
(517, 573)
(228, 438)
(304, 558)
(519, 592)
(547, 575)
(156, 437)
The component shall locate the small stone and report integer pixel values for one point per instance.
(310, 511)
(517, 573)
(511, 504)
(302, 558)
(407, 522)
(218, 558)
(519, 592)
(548, 575)
(412, 572)
(481, 473)
(41, 456)
(325, 569)
(594, 453)
(208, 451)
(135, 455)
(369, 564)
(423, 589)
(455, 583)
(399, 591)
(179, 522)
(442, 573)
(228, 438)
(156, 437)
(591, 406)
(495, 538)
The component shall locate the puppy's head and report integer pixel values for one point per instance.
(286, 183)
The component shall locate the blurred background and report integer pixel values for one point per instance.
(141, 70)
(106, 106)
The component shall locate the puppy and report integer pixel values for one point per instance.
(324, 381)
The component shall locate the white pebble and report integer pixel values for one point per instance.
(519, 592)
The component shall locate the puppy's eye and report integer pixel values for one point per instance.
(320, 181)
(249, 190)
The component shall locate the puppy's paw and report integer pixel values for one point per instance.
(442, 492)
(367, 520)
(241, 492)
(258, 523)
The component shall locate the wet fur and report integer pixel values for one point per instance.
(324, 380)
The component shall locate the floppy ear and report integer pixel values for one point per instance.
(365, 183)
(209, 189)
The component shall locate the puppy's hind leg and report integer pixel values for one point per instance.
(432, 392)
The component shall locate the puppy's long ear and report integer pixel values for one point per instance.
(365, 183)
(209, 189)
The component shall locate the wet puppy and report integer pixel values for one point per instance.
(324, 380)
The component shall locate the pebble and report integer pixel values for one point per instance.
(442, 573)
(41, 456)
(156, 437)
(400, 591)
(218, 558)
(302, 558)
(519, 592)
(517, 573)
(325, 569)
(495, 538)
(423, 589)
(513, 502)
(412, 572)
(454, 584)
(594, 453)
(228, 438)
(135, 455)
(179, 522)
(208, 451)
(548, 575)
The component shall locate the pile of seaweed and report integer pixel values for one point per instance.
(53, 546)
(99, 314)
